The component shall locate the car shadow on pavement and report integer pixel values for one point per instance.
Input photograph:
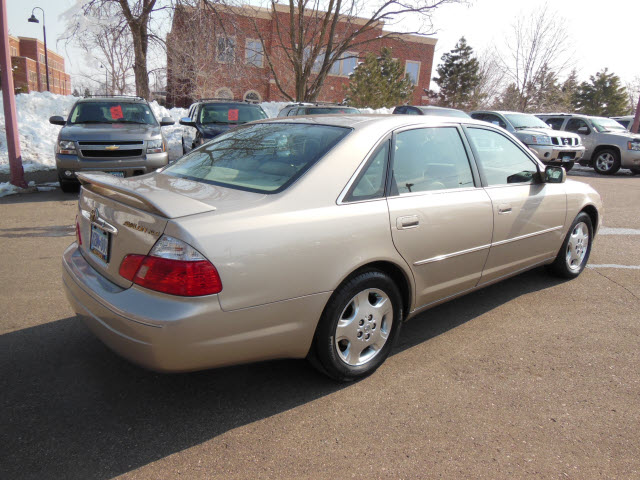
(72, 409)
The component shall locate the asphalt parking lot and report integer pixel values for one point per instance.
(529, 378)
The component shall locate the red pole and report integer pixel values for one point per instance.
(8, 97)
(636, 120)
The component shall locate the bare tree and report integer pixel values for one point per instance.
(492, 79)
(633, 87)
(132, 18)
(538, 44)
(311, 35)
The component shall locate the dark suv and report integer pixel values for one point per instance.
(115, 134)
(211, 117)
(295, 109)
(429, 110)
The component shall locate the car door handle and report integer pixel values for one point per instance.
(504, 209)
(410, 221)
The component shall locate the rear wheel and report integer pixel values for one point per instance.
(606, 162)
(574, 253)
(358, 326)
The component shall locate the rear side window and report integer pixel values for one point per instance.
(555, 123)
(265, 157)
(370, 182)
(428, 159)
(501, 161)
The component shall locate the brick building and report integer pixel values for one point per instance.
(28, 61)
(218, 55)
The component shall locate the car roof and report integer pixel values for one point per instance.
(360, 120)
(114, 98)
(503, 112)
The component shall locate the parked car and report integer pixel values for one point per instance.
(208, 118)
(315, 237)
(116, 134)
(429, 110)
(296, 109)
(545, 143)
(626, 121)
(609, 146)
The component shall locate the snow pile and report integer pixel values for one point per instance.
(38, 136)
(7, 188)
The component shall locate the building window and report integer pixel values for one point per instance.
(42, 59)
(225, 93)
(14, 51)
(345, 65)
(226, 52)
(317, 64)
(413, 70)
(33, 77)
(253, 53)
(252, 96)
(43, 80)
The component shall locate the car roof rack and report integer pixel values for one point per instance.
(137, 97)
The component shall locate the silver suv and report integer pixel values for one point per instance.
(609, 146)
(546, 144)
(117, 135)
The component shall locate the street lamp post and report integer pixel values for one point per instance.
(33, 19)
(106, 79)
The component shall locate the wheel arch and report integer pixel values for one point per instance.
(592, 211)
(599, 148)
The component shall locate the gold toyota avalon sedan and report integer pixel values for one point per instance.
(315, 237)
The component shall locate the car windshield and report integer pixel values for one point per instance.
(265, 157)
(230, 113)
(522, 120)
(329, 111)
(444, 112)
(602, 124)
(112, 112)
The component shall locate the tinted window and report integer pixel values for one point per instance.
(225, 113)
(494, 119)
(556, 123)
(112, 112)
(265, 157)
(412, 111)
(575, 123)
(444, 112)
(430, 159)
(370, 182)
(329, 111)
(500, 160)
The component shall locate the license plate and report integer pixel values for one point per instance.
(99, 244)
(566, 158)
(117, 174)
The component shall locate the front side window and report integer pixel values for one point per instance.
(501, 161)
(555, 123)
(263, 157)
(370, 182)
(226, 51)
(575, 124)
(427, 159)
(112, 112)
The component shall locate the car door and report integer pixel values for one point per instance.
(441, 219)
(188, 132)
(528, 215)
(582, 128)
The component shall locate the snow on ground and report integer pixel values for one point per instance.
(38, 136)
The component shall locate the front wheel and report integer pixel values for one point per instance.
(568, 166)
(574, 253)
(607, 162)
(358, 326)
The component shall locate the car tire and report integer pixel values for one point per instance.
(358, 327)
(606, 162)
(568, 165)
(69, 186)
(635, 171)
(576, 248)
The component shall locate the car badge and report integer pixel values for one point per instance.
(94, 215)
(112, 147)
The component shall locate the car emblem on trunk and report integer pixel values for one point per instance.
(112, 147)
(94, 215)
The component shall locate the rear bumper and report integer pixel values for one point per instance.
(557, 154)
(171, 334)
(68, 165)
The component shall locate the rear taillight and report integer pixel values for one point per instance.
(78, 236)
(172, 267)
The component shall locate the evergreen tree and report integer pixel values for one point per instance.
(75, 93)
(603, 95)
(87, 92)
(379, 82)
(509, 99)
(569, 91)
(545, 94)
(458, 78)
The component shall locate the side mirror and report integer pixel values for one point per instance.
(57, 120)
(584, 130)
(554, 174)
(187, 122)
(166, 121)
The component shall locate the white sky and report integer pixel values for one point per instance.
(603, 34)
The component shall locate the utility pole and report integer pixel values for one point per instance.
(636, 120)
(8, 96)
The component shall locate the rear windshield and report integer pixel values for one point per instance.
(265, 157)
(236, 113)
(329, 111)
(112, 112)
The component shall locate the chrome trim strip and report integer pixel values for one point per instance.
(528, 235)
(450, 255)
(483, 247)
(99, 222)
